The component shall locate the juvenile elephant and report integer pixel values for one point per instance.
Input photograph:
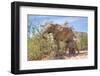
(72, 47)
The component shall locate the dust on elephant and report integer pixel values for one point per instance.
(60, 33)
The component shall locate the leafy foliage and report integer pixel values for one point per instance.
(84, 41)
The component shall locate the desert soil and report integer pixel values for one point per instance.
(81, 55)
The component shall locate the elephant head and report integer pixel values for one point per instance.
(59, 32)
(50, 28)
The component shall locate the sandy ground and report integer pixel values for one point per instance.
(81, 55)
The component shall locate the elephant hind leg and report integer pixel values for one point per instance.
(72, 51)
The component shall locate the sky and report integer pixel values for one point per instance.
(79, 23)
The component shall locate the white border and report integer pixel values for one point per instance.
(26, 65)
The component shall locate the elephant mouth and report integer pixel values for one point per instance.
(49, 32)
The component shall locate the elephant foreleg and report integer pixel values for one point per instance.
(57, 48)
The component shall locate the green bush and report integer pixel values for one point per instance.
(38, 46)
(84, 42)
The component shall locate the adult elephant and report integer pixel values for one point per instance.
(60, 33)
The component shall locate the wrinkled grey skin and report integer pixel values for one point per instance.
(72, 44)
